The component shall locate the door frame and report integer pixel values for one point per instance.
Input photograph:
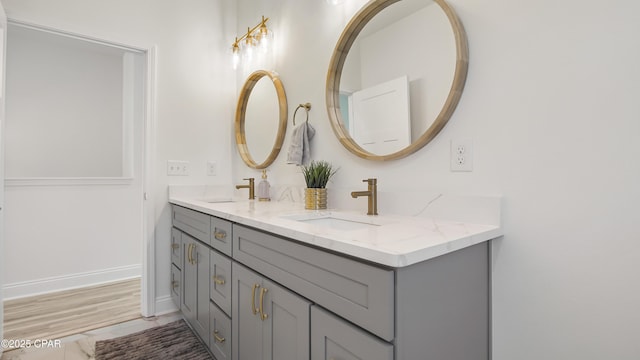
(148, 284)
(3, 57)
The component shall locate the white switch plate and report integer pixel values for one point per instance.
(177, 168)
(462, 155)
(212, 168)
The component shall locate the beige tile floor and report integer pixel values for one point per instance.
(82, 346)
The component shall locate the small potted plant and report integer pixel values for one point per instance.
(316, 175)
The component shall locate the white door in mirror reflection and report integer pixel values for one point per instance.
(373, 107)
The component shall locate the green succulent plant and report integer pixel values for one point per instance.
(317, 174)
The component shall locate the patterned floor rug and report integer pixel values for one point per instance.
(173, 341)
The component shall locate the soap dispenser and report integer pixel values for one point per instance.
(263, 188)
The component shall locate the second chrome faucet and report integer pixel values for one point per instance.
(371, 193)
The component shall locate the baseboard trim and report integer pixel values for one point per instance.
(68, 282)
(165, 305)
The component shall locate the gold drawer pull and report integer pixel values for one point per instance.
(218, 281)
(217, 337)
(194, 260)
(263, 316)
(175, 246)
(253, 299)
(220, 235)
(175, 284)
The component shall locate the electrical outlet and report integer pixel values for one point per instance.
(177, 168)
(462, 155)
(212, 168)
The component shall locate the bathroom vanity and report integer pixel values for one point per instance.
(261, 280)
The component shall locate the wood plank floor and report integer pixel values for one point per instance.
(56, 315)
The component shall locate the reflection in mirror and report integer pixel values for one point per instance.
(396, 76)
(261, 119)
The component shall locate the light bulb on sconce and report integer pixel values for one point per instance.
(235, 54)
(257, 38)
(264, 36)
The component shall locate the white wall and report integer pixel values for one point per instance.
(195, 89)
(64, 106)
(551, 104)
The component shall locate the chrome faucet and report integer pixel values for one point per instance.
(251, 187)
(371, 193)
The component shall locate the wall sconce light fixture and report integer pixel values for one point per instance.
(335, 2)
(257, 39)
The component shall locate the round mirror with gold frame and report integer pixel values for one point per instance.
(261, 119)
(415, 50)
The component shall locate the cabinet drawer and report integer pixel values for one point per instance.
(334, 338)
(220, 325)
(359, 292)
(176, 247)
(220, 277)
(176, 285)
(192, 222)
(221, 235)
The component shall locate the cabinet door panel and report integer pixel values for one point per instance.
(202, 314)
(176, 285)
(176, 247)
(220, 327)
(246, 326)
(220, 277)
(334, 338)
(286, 333)
(190, 280)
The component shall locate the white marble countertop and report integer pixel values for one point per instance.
(390, 240)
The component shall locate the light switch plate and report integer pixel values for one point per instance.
(177, 168)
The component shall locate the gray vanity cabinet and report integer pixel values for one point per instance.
(220, 331)
(176, 247)
(269, 322)
(195, 286)
(221, 235)
(176, 285)
(220, 287)
(276, 298)
(176, 266)
(334, 338)
(194, 223)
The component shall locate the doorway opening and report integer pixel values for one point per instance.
(78, 149)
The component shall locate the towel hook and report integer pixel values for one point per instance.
(307, 107)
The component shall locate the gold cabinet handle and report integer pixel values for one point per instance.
(263, 316)
(175, 284)
(253, 299)
(217, 337)
(175, 246)
(218, 280)
(220, 235)
(189, 254)
(194, 259)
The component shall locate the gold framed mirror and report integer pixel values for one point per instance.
(354, 116)
(261, 119)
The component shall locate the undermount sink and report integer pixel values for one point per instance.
(333, 221)
(218, 200)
